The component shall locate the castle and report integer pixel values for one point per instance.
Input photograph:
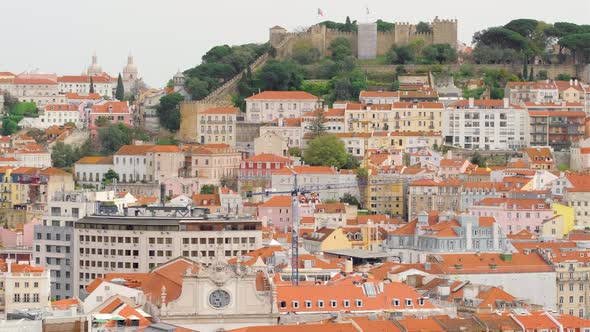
(368, 42)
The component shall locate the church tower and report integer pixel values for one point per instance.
(94, 69)
(130, 71)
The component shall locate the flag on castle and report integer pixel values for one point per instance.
(320, 12)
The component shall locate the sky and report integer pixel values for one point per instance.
(60, 36)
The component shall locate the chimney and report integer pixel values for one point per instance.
(348, 266)
(571, 82)
(506, 102)
(471, 102)
(576, 82)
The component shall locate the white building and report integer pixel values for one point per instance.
(54, 115)
(486, 125)
(24, 287)
(537, 92)
(316, 177)
(269, 105)
(81, 85)
(379, 97)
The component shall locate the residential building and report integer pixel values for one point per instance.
(269, 105)
(577, 195)
(211, 161)
(91, 170)
(558, 125)
(539, 158)
(453, 167)
(41, 89)
(114, 111)
(446, 232)
(472, 192)
(486, 124)
(277, 211)
(426, 156)
(433, 195)
(515, 214)
(102, 85)
(148, 163)
(326, 239)
(572, 91)
(54, 115)
(257, 171)
(334, 184)
(218, 125)
(25, 287)
(535, 92)
(289, 129)
(272, 143)
(379, 97)
(140, 242)
(384, 192)
(333, 119)
(520, 274)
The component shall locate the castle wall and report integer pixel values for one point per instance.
(444, 32)
(331, 35)
(384, 41)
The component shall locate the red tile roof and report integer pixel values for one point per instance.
(377, 94)
(267, 157)
(221, 110)
(268, 95)
(111, 107)
(277, 201)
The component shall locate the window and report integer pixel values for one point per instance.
(333, 303)
(283, 304)
(421, 301)
(358, 303)
(396, 302)
(308, 304)
(346, 303)
(408, 302)
(320, 304)
(571, 299)
(295, 304)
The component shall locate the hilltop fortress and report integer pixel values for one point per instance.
(367, 42)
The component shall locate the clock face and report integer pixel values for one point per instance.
(219, 299)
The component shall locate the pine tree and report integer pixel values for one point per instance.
(316, 126)
(91, 85)
(120, 91)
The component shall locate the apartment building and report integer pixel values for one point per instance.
(81, 84)
(24, 287)
(558, 125)
(148, 237)
(269, 105)
(218, 125)
(515, 214)
(334, 183)
(148, 163)
(433, 195)
(379, 97)
(211, 161)
(257, 171)
(486, 125)
(535, 92)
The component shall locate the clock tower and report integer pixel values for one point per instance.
(223, 296)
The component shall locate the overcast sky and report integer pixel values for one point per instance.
(59, 36)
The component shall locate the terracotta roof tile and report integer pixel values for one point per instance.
(268, 95)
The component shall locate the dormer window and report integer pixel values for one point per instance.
(409, 302)
(307, 304)
(320, 303)
(295, 304)
(333, 303)
(358, 303)
(346, 303)
(396, 302)
(283, 304)
(421, 301)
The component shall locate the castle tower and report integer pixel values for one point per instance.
(94, 69)
(444, 32)
(277, 34)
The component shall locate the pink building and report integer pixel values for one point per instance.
(514, 214)
(453, 167)
(276, 211)
(114, 111)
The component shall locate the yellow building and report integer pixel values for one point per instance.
(568, 216)
(399, 116)
(326, 239)
(384, 193)
(368, 237)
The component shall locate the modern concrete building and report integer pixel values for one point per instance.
(53, 240)
(367, 41)
(143, 238)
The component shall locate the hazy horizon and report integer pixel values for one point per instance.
(60, 36)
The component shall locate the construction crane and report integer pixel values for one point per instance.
(295, 192)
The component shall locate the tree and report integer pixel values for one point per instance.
(441, 53)
(316, 127)
(91, 90)
(391, 56)
(325, 150)
(280, 76)
(531, 74)
(385, 26)
(63, 155)
(38, 135)
(304, 53)
(111, 138)
(348, 198)
(351, 162)
(169, 112)
(198, 88)
(525, 27)
(348, 25)
(207, 189)
(216, 54)
(579, 45)
(109, 176)
(362, 175)
(478, 160)
(295, 151)
(102, 121)
(341, 48)
(563, 77)
(404, 54)
(9, 126)
(542, 75)
(418, 45)
(120, 90)
(230, 182)
(423, 27)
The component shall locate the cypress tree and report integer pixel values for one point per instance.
(91, 85)
(120, 91)
(531, 74)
